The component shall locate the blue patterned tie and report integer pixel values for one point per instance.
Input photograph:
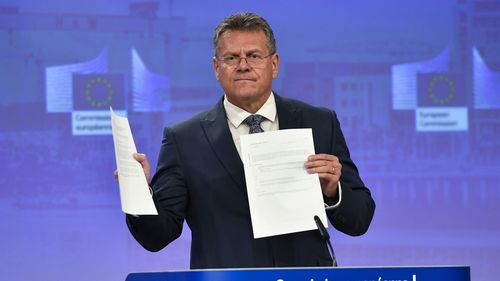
(253, 122)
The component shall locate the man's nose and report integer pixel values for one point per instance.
(243, 64)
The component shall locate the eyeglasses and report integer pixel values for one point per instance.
(254, 60)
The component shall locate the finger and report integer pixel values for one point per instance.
(328, 177)
(141, 157)
(336, 167)
(318, 163)
(323, 166)
(321, 169)
(116, 175)
(323, 160)
(333, 170)
(323, 156)
(143, 160)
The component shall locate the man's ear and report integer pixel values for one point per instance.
(216, 65)
(276, 63)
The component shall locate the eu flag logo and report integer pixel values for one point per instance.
(440, 89)
(98, 91)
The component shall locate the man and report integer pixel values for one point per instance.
(200, 176)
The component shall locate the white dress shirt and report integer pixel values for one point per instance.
(236, 116)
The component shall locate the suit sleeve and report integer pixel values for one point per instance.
(170, 197)
(355, 212)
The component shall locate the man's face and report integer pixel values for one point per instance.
(243, 84)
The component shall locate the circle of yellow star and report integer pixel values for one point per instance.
(450, 95)
(94, 101)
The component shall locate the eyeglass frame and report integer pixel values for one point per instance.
(238, 60)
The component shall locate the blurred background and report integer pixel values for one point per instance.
(416, 86)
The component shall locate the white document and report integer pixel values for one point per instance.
(135, 196)
(283, 197)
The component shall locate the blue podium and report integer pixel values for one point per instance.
(429, 273)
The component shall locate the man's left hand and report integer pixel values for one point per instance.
(328, 168)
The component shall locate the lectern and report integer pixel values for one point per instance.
(427, 273)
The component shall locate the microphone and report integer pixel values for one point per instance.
(326, 237)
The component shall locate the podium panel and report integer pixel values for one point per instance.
(430, 273)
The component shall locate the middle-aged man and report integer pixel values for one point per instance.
(200, 175)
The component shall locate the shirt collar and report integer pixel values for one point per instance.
(236, 115)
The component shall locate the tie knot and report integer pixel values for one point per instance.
(253, 122)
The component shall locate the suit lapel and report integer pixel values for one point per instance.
(289, 117)
(218, 135)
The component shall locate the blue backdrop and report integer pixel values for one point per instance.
(416, 85)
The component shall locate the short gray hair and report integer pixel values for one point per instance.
(245, 21)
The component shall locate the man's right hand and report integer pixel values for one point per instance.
(143, 160)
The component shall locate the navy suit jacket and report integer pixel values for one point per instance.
(200, 178)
